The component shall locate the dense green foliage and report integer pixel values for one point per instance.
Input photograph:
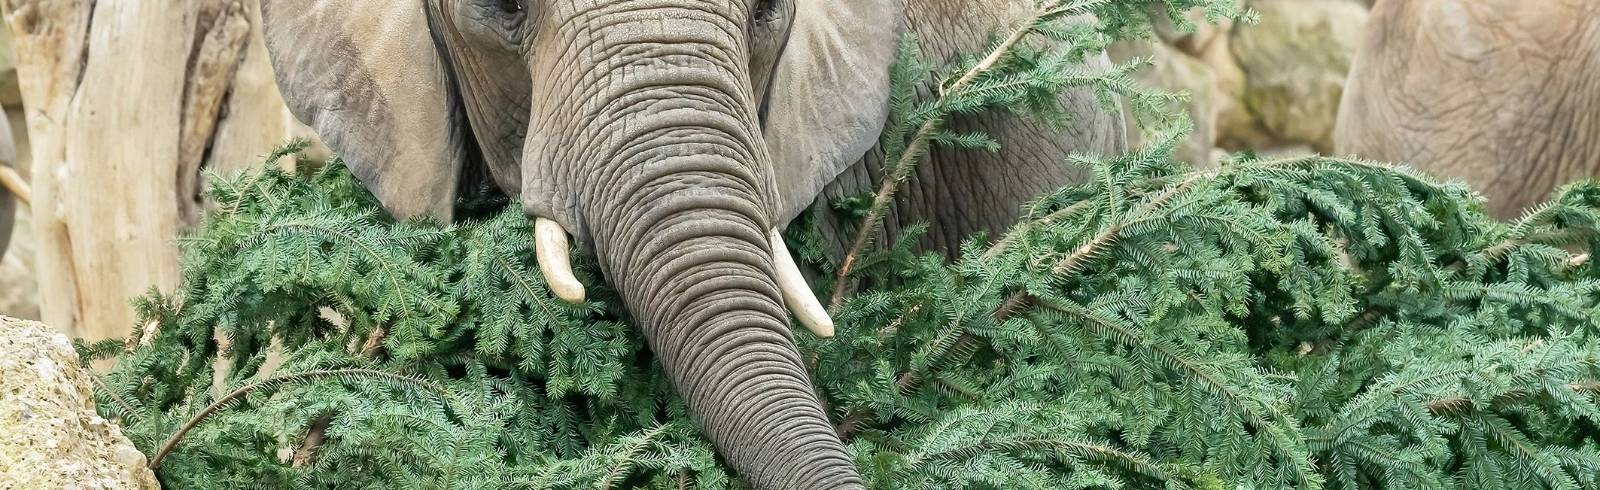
(1302, 322)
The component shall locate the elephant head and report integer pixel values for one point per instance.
(671, 137)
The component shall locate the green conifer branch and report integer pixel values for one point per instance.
(906, 161)
(234, 396)
(1266, 324)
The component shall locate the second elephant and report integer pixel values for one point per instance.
(671, 137)
(1504, 94)
(957, 192)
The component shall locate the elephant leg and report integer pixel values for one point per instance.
(8, 219)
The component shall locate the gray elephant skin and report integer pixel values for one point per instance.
(669, 137)
(8, 202)
(1504, 94)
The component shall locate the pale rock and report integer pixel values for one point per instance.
(1237, 127)
(50, 434)
(1295, 63)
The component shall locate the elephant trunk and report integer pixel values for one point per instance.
(687, 247)
(698, 279)
(674, 193)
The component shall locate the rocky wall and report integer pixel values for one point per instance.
(1271, 86)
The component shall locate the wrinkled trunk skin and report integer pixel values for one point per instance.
(698, 280)
(666, 177)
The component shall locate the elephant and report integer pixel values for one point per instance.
(672, 138)
(1503, 94)
(8, 199)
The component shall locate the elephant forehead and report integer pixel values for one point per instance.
(570, 9)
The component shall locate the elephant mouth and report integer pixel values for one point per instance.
(555, 262)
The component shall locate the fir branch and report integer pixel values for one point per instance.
(122, 404)
(1088, 450)
(1265, 324)
(1269, 422)
(906, 161)
(1104, 238)
(388, 267)
(1011, 237)
(273, 382)
(1458, 403)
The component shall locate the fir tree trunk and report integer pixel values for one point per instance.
(127, 102)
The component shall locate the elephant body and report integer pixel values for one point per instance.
(670, 137)
(1504, 94)
(8, 202)
(960, 192)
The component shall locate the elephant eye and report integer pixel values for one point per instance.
(765, 11)
(511, 6)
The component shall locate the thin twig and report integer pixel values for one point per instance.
(1505, 247)
(880, 205)
(1107, 236)
(1452, 404)
(317, 433)
(127, 408)
(1049, 219)
(919, 143)
(894, 325)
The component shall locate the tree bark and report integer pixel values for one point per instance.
(127, 102)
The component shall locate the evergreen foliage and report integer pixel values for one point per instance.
(1299, 322)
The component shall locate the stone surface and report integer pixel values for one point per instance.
(1263, 86)
(1295, 62)
(50, 435)
(1237, 127)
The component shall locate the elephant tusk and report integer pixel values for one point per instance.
(796, 293)
(554, 262)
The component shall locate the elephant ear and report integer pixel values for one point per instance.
(829, 94)
(371, 82)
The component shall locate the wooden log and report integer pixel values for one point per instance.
(127, 102)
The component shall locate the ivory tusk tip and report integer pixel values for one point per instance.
(796, 294)
(555, 263)
(823, 328)
(571, 293)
